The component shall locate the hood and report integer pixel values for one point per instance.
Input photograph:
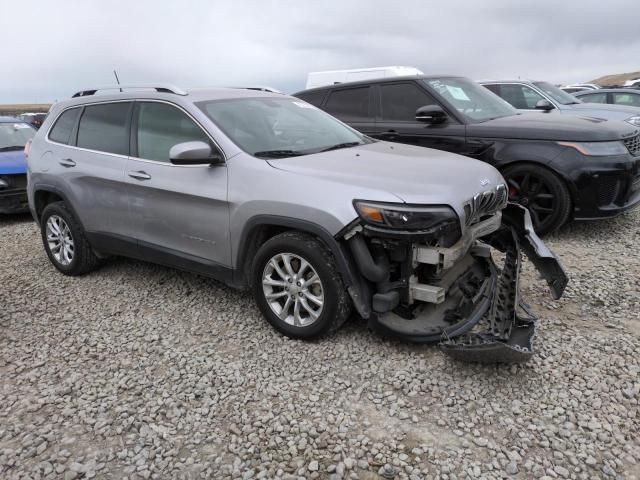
(414, 175)
(12, 162)
(602, 111)
(547, 126)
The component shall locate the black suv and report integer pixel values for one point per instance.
(559, 167)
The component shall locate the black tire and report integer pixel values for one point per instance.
(83, 260)
(337, 303)
(542, 192)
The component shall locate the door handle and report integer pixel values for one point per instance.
(389, 134)
(140, 175)
(67, 162)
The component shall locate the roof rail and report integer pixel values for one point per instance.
(163, 88)
(260, 88)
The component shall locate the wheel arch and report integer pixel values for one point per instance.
(46, 194)
(566, 180)
(261, 228)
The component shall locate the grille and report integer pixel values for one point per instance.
(608, 190)
(633, 145)
(485, 203)
(15, 182)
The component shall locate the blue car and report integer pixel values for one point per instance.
(14, 134)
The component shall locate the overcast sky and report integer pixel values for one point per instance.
(53, 48)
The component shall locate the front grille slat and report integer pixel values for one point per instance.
(485, 203)
(633, 145)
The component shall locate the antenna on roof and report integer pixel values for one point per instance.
(117, 79)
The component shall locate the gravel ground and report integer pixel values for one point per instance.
(139, 371)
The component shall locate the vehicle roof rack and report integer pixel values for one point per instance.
(162, 88)
(260, 88)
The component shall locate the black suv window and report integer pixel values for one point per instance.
(314, 98)
(61, 131)
(160, 127)
(350, 104)
(104, 128)
(401, 100)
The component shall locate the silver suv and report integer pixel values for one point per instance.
(265, 191)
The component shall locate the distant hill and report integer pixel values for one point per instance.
(18, 108)
(618, 79)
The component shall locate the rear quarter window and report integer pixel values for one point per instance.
(350, 104)
(62, 129)
(314, 98)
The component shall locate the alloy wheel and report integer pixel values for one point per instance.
(59, 240)
(532, 192)
(293, 289)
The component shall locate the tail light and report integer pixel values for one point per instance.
(27, 148)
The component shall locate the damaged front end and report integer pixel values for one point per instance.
(436, 285)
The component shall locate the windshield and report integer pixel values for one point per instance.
(560, 96)
(13, 136)
(268, 127)
(471, 99)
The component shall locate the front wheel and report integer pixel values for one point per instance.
(297, 286)
(542, 192)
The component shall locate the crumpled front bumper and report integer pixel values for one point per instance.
(506, 325)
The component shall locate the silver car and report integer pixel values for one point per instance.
(265, 191)
(535, 96)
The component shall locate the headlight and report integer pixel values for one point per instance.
(598, 149)
(405, 217)
(635, 120)
(3, 183)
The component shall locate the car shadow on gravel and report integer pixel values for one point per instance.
(14, 218)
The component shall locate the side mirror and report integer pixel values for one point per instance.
(431, 114)
(544, 105)
(193, 153)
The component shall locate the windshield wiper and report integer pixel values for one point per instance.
(277, 153)
(12, 147)
(341, 145)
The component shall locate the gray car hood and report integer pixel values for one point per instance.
(605, 111)
(415, 175)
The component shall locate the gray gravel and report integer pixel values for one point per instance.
(138, 371)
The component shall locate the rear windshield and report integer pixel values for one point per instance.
(13, 136)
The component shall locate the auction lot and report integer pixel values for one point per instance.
(139, 371)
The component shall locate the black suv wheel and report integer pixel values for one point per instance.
(542, 192)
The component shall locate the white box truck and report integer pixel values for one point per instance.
(331, 77)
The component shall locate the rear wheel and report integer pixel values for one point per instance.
(542, 192)
(298, 287)
(65, 242)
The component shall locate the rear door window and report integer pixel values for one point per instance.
(594, 98)
(520, 96)
(630, 99)
(350, 105)
(105, 127)
(399, 101)
(160, 127)
(61, 131)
